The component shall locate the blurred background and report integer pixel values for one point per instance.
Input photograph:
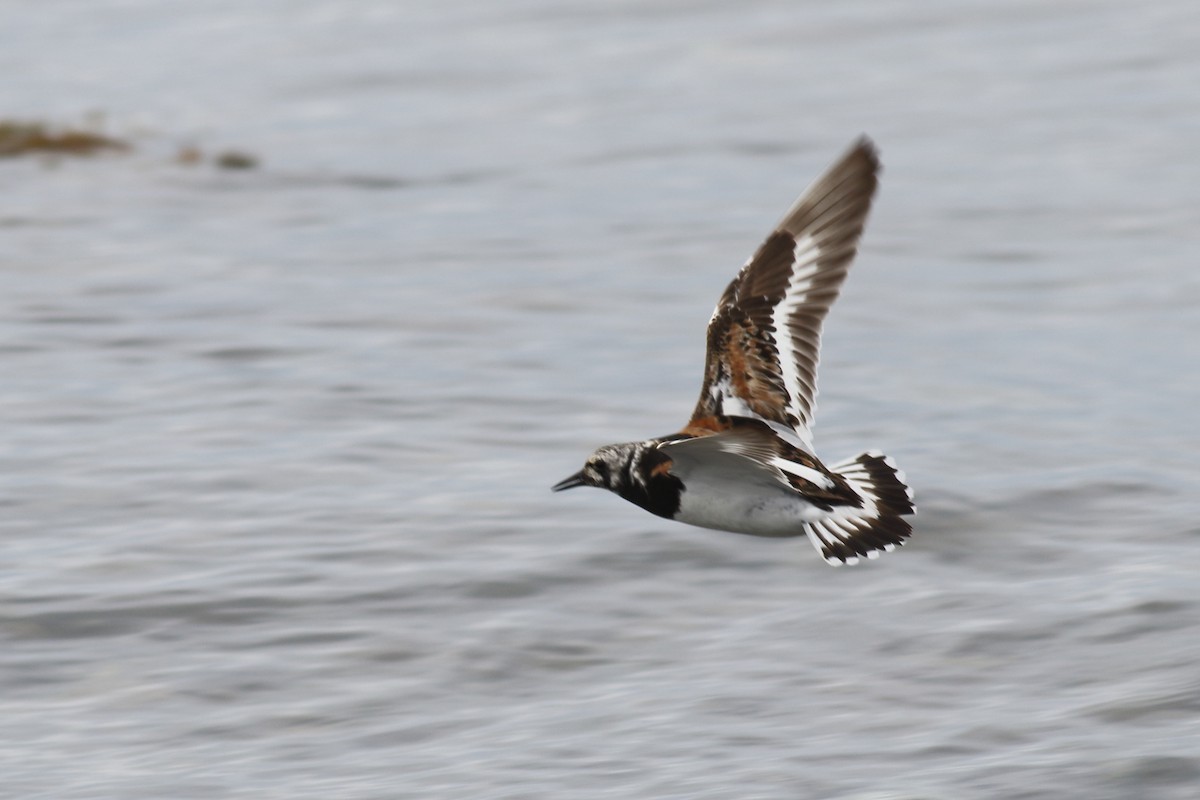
(290, 358)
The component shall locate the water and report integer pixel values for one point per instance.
(278, 443)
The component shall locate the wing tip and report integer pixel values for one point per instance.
(866, 145)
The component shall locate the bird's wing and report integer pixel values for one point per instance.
(748, 450)
(765, 334)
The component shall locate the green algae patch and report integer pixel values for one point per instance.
(190, 156)
(36, 138)
(234, 159)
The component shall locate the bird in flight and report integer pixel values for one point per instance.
(745, 461)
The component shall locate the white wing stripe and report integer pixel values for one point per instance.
(799, 470)
(806, 254)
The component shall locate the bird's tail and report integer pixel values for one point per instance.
(878, 525)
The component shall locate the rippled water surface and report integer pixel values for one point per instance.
(278, 442)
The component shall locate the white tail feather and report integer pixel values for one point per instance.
(877, 526)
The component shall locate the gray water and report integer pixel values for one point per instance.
(277, 444)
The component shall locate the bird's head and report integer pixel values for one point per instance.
(607, 468)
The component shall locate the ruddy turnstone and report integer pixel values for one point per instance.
(745, 461)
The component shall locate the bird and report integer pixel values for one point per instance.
(745, 460)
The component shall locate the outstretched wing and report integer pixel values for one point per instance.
(764, 336)
(748, 451)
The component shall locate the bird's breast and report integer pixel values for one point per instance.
(751, 507)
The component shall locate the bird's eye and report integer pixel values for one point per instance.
(601, 468)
